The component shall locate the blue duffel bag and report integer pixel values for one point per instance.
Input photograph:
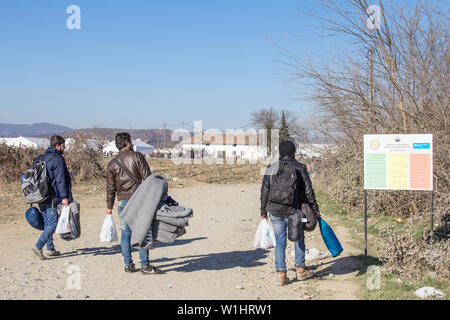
(35, 218)
(330, 239)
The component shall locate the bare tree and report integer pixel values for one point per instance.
(297, 129)
(265, 118)
(388, 80)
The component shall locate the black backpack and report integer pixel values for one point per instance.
(283, 185)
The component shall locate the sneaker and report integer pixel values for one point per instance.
(303, 273)
(39, 253)
(151, 270)
(130, 268)
(282, 278)
(53, 253)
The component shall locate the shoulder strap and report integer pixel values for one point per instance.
(49, 158)
(128, 172)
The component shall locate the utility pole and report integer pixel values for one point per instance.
(164, 134)
(369, 113)
(371, 110)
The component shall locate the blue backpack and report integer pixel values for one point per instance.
(330, 239)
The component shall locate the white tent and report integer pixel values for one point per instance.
(110, 148)
(142, 147)
(27, 142)
(5, 140)
(139, 146)
(89, 143)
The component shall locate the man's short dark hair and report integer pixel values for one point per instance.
(121, 138)
(56, 140)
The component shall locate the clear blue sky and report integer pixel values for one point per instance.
(136, 63)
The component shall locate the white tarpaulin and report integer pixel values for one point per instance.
(139, 146)
(27, 142)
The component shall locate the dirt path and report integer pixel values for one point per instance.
(214, 260)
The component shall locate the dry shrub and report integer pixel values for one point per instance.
(85, 163)
(15, 161)
(399, 248)
(402, 254)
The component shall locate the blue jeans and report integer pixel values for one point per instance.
(50, 222)
(279, 223)
(125, 241)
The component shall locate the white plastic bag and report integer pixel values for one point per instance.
(264, 236)
(427, 292)
(314, 254)
(109, 231)
(63, 221)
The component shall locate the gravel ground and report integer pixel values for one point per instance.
(214, 260)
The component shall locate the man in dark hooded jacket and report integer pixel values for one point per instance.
(282, 200)
(61, 193)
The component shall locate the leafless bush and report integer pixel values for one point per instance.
(407, 92)
(402, 254)
(83, 163)
(388, 80)
(15, 161)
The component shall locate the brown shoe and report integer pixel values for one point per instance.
(53, 253)
(39, 253)
(303, 273)
(282, 278)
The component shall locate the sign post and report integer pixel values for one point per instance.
(365, 222)
(397, 162)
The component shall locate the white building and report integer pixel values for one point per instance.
(27, 142)
(229, 147)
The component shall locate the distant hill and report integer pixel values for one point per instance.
(30, 130)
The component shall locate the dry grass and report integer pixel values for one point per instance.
(403, 254)
(188, 174)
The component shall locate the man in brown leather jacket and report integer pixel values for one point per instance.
(123, 176)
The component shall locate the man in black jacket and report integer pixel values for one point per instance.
(61, 193)
(286, 185)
